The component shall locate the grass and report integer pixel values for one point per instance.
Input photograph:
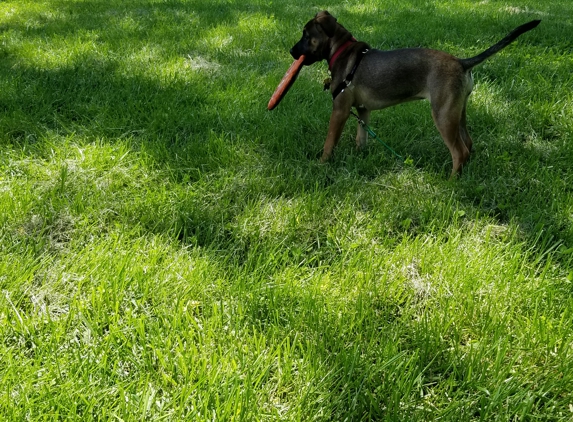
(170, 250)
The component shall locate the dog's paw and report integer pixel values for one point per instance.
(360, 144)
(324, 158)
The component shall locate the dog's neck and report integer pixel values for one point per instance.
(339, 49)
(340, 41)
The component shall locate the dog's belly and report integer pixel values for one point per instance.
(376, 100)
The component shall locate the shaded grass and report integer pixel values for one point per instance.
(171, 250)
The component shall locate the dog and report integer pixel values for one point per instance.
(370, 79)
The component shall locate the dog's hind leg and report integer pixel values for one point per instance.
(447, 116)
(464, 130)
(361, 134)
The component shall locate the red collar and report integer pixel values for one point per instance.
(339, 52)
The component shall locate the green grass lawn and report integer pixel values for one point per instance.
(171, 250)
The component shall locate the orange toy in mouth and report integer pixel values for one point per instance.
(286, 82)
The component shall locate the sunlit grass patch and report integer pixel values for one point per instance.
(171, 250)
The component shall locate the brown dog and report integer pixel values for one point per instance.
(370, 79)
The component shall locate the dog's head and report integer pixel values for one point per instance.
(315, 41)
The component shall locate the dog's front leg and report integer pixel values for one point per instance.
(337, 121)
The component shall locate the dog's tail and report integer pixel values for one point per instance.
(474, 61)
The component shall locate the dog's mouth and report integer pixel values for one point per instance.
(308, 59)
(299, 49)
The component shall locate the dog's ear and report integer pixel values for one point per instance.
(327, 22)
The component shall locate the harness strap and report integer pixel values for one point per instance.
(348, 80)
